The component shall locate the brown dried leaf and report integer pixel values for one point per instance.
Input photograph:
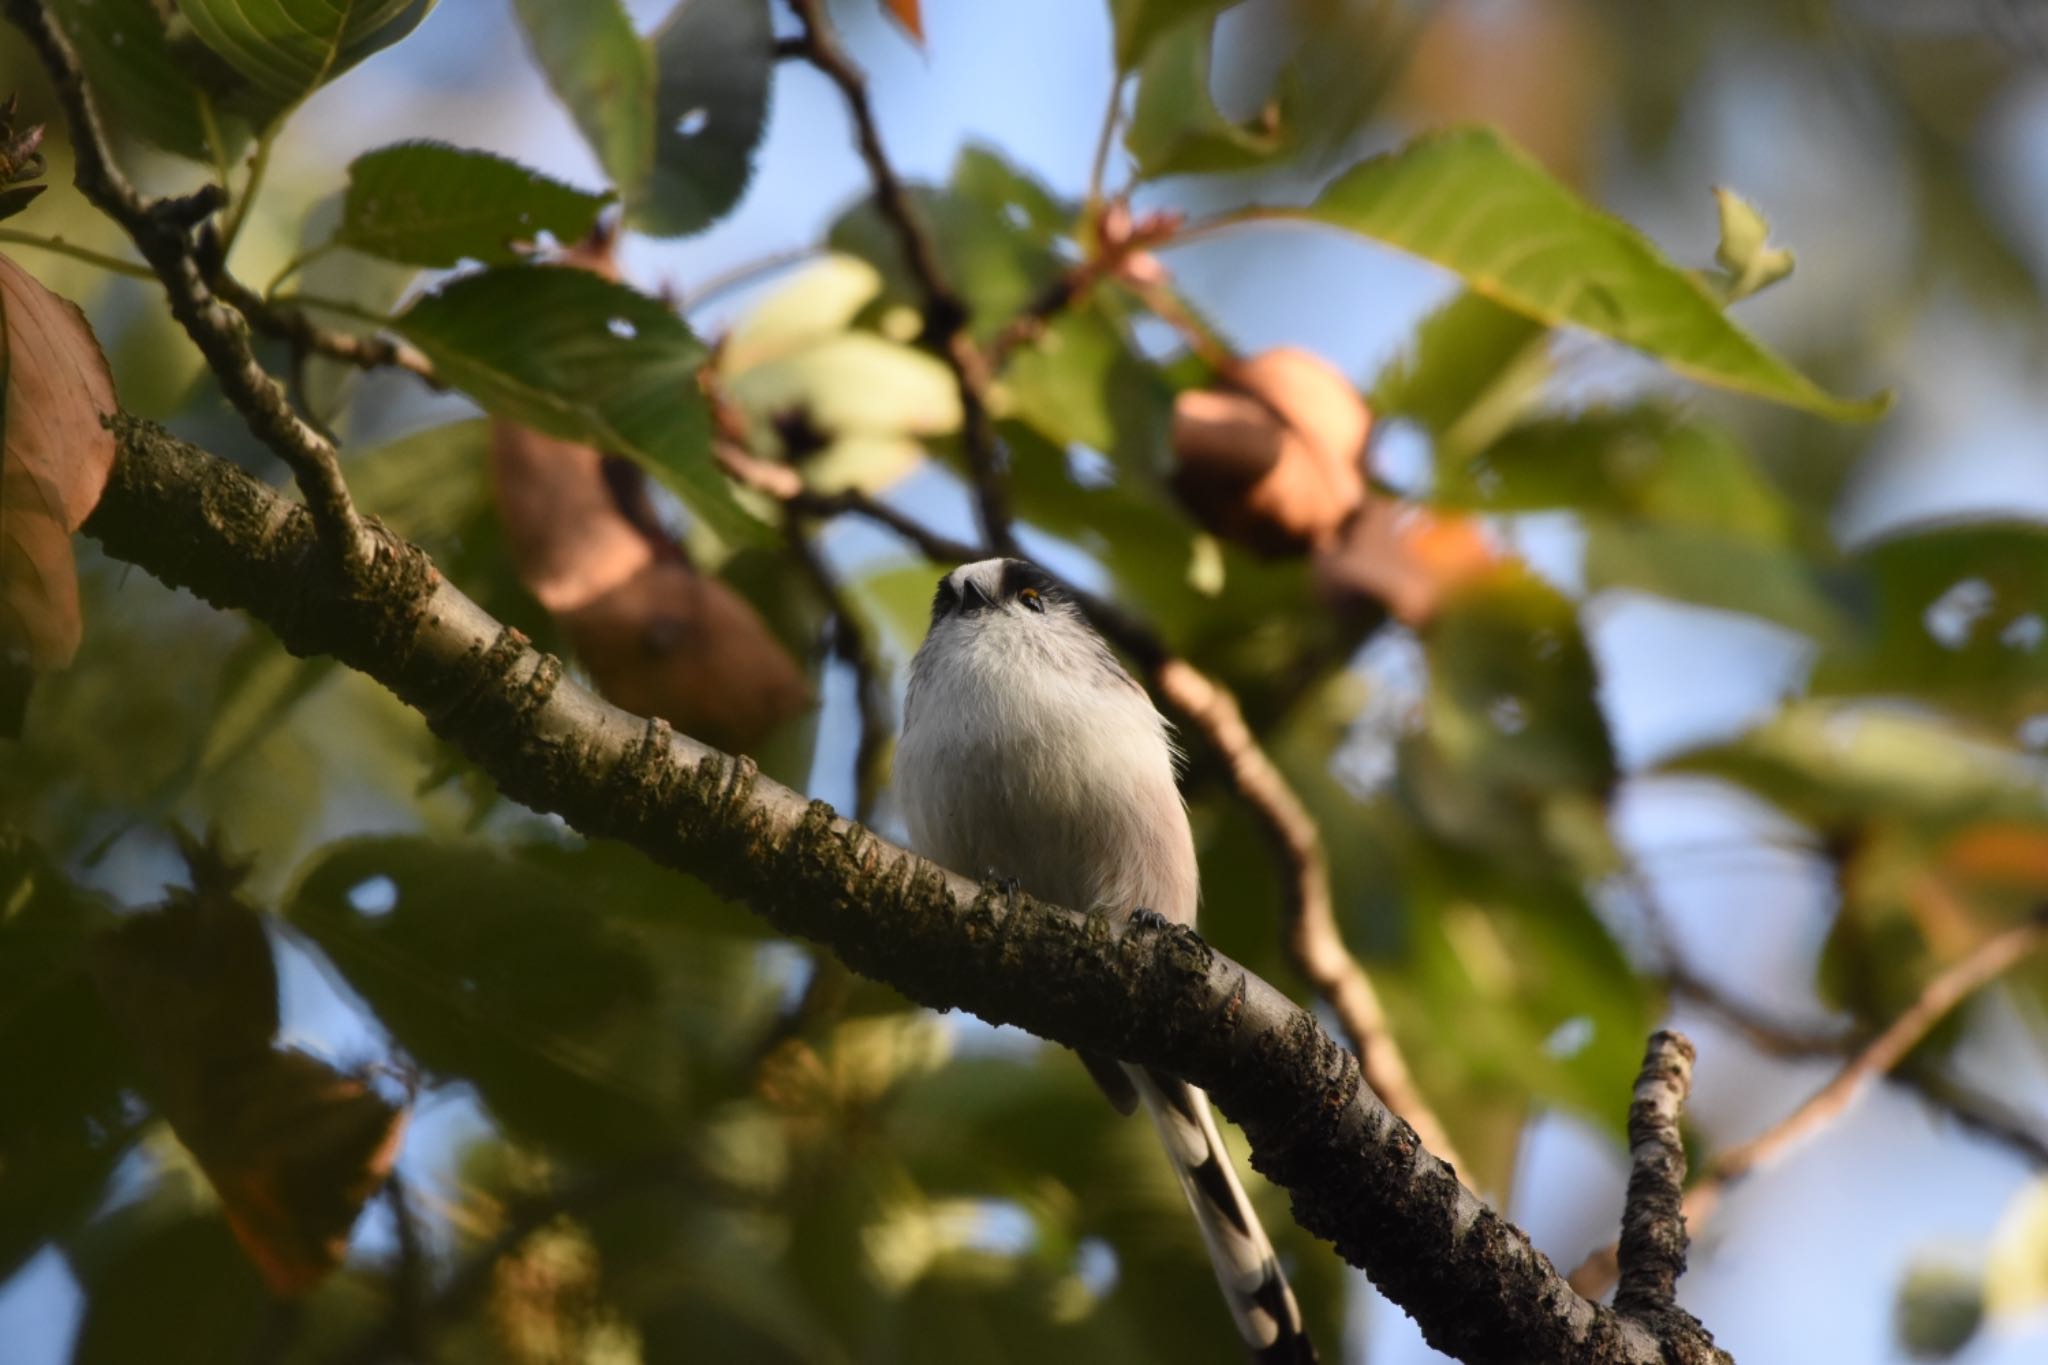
(1406, 558)
(293, 1147)
(1271, 457)
(54, 457)
(909, 15)
(679, 644)
(659, 637)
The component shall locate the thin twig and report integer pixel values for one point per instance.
(162, 232)
(744, 274)
(133, 269)
(945, 312)
(1314, 941)
(1879, 1057)
(1652, 1250)
(295, 326)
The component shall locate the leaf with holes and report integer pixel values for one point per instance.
(53, 463)
(713, 61)
(604, 73)
(587, 360)
(1959, 617)
(426, 203)
(1470, 202)
(284, 50)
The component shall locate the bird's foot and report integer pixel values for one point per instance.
(1145, 918)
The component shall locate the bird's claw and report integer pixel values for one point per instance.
(1146, 918)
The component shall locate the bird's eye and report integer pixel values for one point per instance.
(1030, 598)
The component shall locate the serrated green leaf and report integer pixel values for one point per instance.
(284, 50)
(602, 71)
(714, 60)
(1175, 127)
(1470, 202)
(427, 203)
(585, 359)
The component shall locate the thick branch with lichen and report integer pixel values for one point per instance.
(1158, 996)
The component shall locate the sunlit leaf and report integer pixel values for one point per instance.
(1835, 763)
(586, 360)
(1471, 203)
(427, 203)
(713, 62)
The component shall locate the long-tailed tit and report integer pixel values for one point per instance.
(1029, 753)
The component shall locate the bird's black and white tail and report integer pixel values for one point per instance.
(1267, 1316)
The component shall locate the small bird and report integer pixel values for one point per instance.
(1028, 753)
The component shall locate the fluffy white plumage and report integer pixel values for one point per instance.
(1028, 752)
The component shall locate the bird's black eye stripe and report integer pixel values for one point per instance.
(945, 599)
(1029, 585)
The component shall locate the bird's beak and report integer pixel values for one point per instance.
(973, 597)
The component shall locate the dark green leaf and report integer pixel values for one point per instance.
(714, 60)
(604, 73)
(426, 203)
(583, 359)
(284, 50)
(1475, 205)
(164, 1281)
(138, 79)
(62, 1064)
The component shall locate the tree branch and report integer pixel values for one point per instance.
(162, 232)
(945, 313)
(1157, 996)
(1652, 1254)
(1879, 1057)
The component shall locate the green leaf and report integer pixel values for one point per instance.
(1687, 564)
(61, 1061)
(1745, 251)
(138, 81)
(1470, 202)
(427, 203)
(1139, 23)
(714, 61)
(1082, 382)
(817, 302)
(498, 968)
(1470, 371)
(598, 67)
(284, 50)
(1837, 764)
(1960, 619)
(1175, 127)
(987, 228)
(161, 1260)
(584, 359)
(1514, 692)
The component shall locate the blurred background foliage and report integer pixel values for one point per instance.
(1701, 700)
